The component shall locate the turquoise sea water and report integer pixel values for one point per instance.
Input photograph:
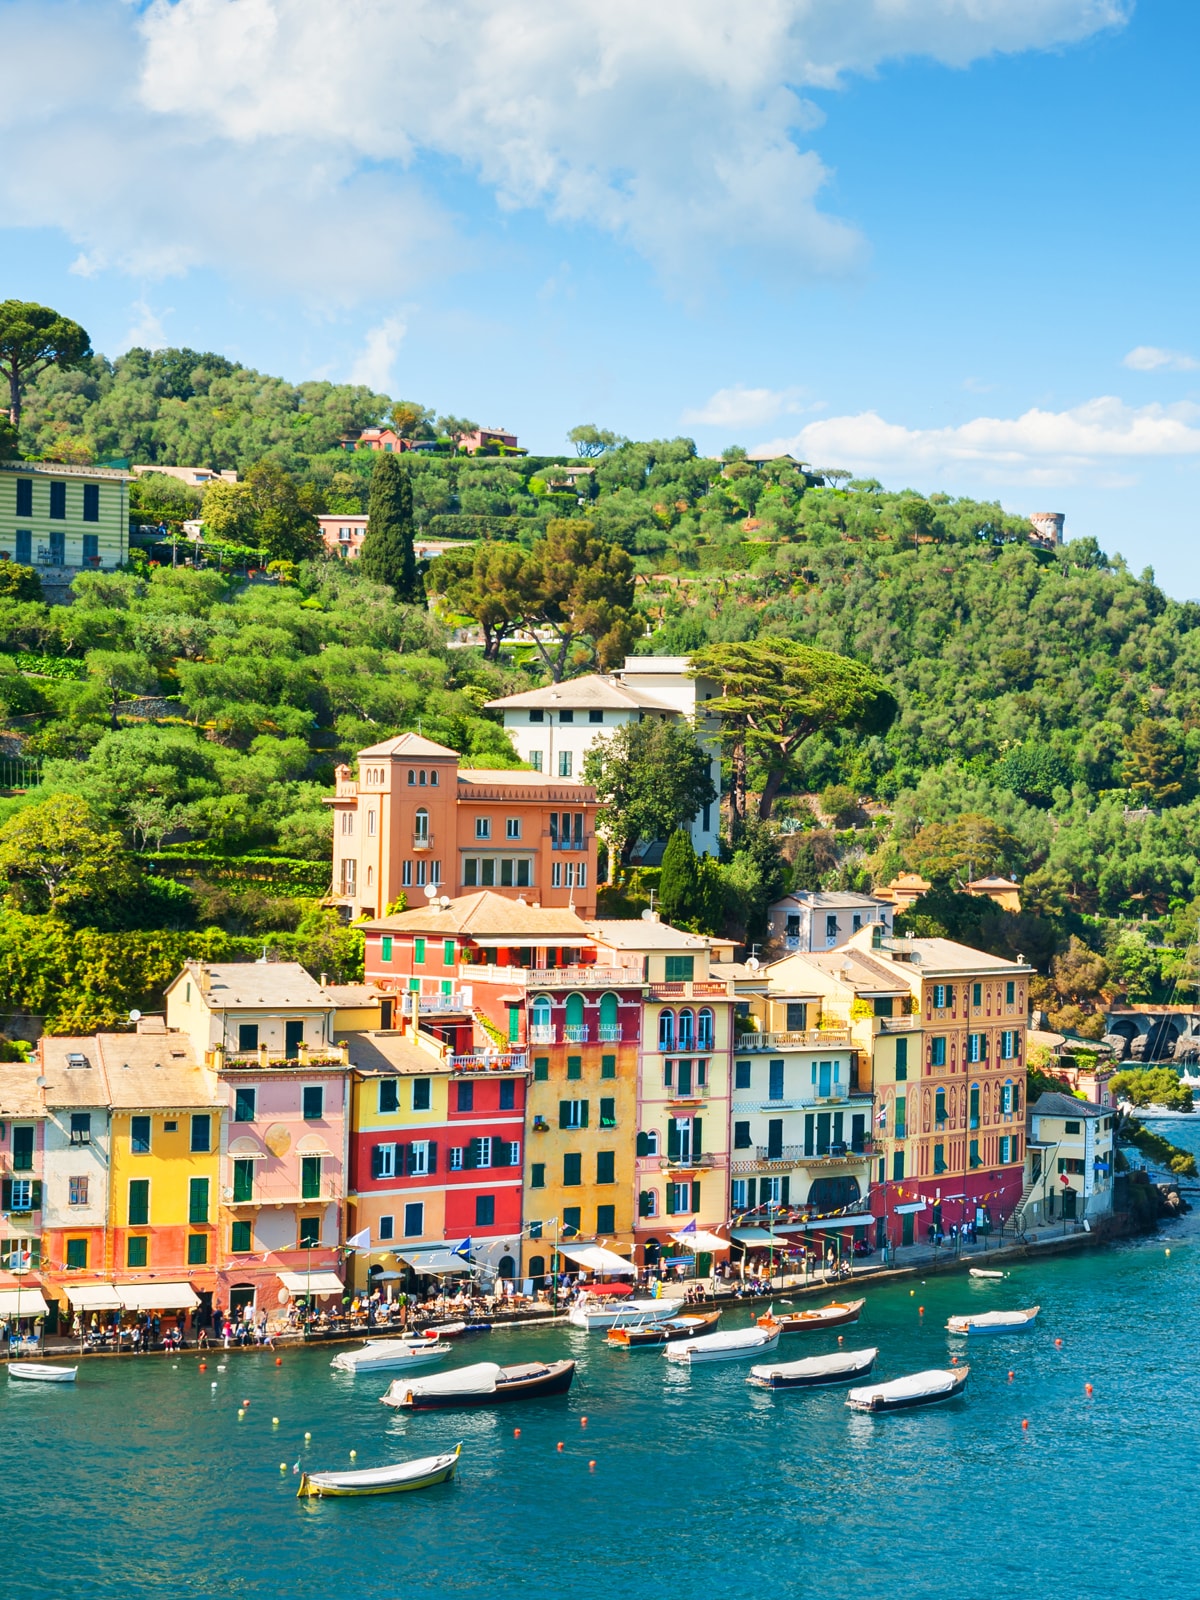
(141, 1480)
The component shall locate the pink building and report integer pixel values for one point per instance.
(267, 1031)
(343, 533)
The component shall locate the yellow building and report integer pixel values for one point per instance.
(164, 1138)
(57, 517)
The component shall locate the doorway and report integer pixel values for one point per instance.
(239, 1299)
(906, 1228)
(293, 1037)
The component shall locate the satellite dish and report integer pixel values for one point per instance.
(227, 1194)
(444, 902)
(753, 963)
(648, 916)
(283, 1297)
(431, 891)
(135, 1016)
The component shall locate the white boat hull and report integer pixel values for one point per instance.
(991, 1323)
(388, 1355)
(742, 1345)
(36, 1373)
(624, 1315)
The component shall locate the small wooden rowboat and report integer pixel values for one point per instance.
(905, 1394)
(815, 1372)
(420, 1474)
(835, 1315)
(484, 1384)
(36, 1372)
(992, 1322)
(662, 1332)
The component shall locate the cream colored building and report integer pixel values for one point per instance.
(62, 519)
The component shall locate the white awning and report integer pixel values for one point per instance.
(904, 1211)
(23, 1302)
(94, 1297)
(158, 1296)
(749, 1236)
(594, 1258)
(317, 1283)
(861, 1219)
(700, 1240)
(438, 1263)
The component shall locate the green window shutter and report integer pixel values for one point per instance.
(139, 1202)
(901, 1058)
(419, 952)
(243, 1180)
(447, 952)
(696, 1195)
(608, 1066)
(672, 1140)
(697, 1147)
(564, 1113)
(606, 1166)
(35, 1195)
(240, 1238)
(606, 1219)
(646, 1203)
(583, 1113)
(572, 1169)
(541, 1069)
(574, 1011)
(197, 1249)
(574, 1066)
(643, 1146)
(198, 1200)
(608, 1113)
(537, 1175)
(386, 947)
(310, 1177)
(6, 1194)
(670, 1196)
(136, 1252)
(785, 1189)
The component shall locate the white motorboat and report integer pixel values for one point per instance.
(905, 1394)
(734, 1344)
(379, 1355)
(621, 1313)
(815, 1372)
(36, 1372)
(992, 1322)
(982, 1272)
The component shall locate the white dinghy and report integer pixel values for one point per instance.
(971, 1326)
(380, 1355)
(905, 1394)
(735, 1344)
(815, 1372)
(36, 1372)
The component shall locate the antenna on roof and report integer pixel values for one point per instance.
(262, 960)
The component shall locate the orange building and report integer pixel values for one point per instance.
(412, 821)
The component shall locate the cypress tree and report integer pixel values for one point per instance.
(679, 881)
(387, 551)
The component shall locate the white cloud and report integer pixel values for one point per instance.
(375, 362)
(1149, 358)
(278, 139)
(1046, 447)
(147, 328)
(739, 407)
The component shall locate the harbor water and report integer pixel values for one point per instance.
(142, 1479)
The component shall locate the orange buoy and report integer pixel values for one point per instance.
(840, 1340)
(278, 1361)
(1087, 1388)
(591, 1466)
(559, 1445)
(1058, 1344)
(245, 1402)
(204, 1366)
(920, 1311)
(953, 1361)
(583, 1422)
(1011, 1376)
(1024, 1422)
(516, 1433)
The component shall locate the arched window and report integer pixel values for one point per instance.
(412, 777)
(576, 1030)
(653, 1248)
(704, 1030)
(421, 778)
(666, 1030)
(540, 1014)
(609, 1026)
(421, 826)
(687, 1030)
(433, 778)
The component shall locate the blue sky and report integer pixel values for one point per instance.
(948, 243)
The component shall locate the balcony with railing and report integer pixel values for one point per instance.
(490, 1061)
(580, 977)
(799, 1039)
(609, 1032)
(422, 841)
(238, 1195)
(681, 1163)
(692, 989)
(764, 1158)
(541, 1035)
(898, 1024)
(575, 1032)
(694, 1091)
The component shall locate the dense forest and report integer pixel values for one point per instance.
(1048, 702)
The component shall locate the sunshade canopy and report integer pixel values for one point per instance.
(23, 1302)
(94, 1297)
(701, 1240)
(315, 1283)
(438, 1263)
(158, 1296)
(593, 1257)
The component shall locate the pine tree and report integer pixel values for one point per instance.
(679, 880)
(387, 551)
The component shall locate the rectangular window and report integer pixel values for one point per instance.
(939, 1107)
(24, 497)
(741, 1074)
(77, 1253)
(606, 1166)
(508, 1094)
(512, 828)
(680, 968)
(797, 1016)
(310, 1233)
(976, 995)
(483, 827)
(572, 1221)
(371, 823)
(91, 549)
(201, 1140)
(313, 1102)
(595, 716)
(81, 1127)
(897, 1165)
(387, 1229)
(310, 1177)
(414, 1219)
(541, 1069)
(406, 875)
(456, 1158)
(385, 947)
(448, 952)
(572, 1169)
(247, 1036)
(1071, 1127)
(741, 1136)
(197, 1249)
(136, 1251)
(574, 1066)
(243, 1105)
(1010, 993)
(197, 1199)
(243, 1181)
(485, 1210)
(937, 1051)
(608, 1113)
(465, 1093)
(389, 1095)
(901, 1117)
(480, 1151)
(606, 1219)
(572, 1113)
(974, 1047)
(973, 1148)
(139, 1137)
(1008, 1045)
(831, 929)
(566, 716)
(775, 1080)
(537, 715)
(1004, 1148)
(58, 500)
(77, 1191)
(419, 952)
(422, 1094)
(241, 1238)
(537, 1175)
(565, 762)
(139, 1202)
(608, 1066)
(939, 1158)
(535, 760)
